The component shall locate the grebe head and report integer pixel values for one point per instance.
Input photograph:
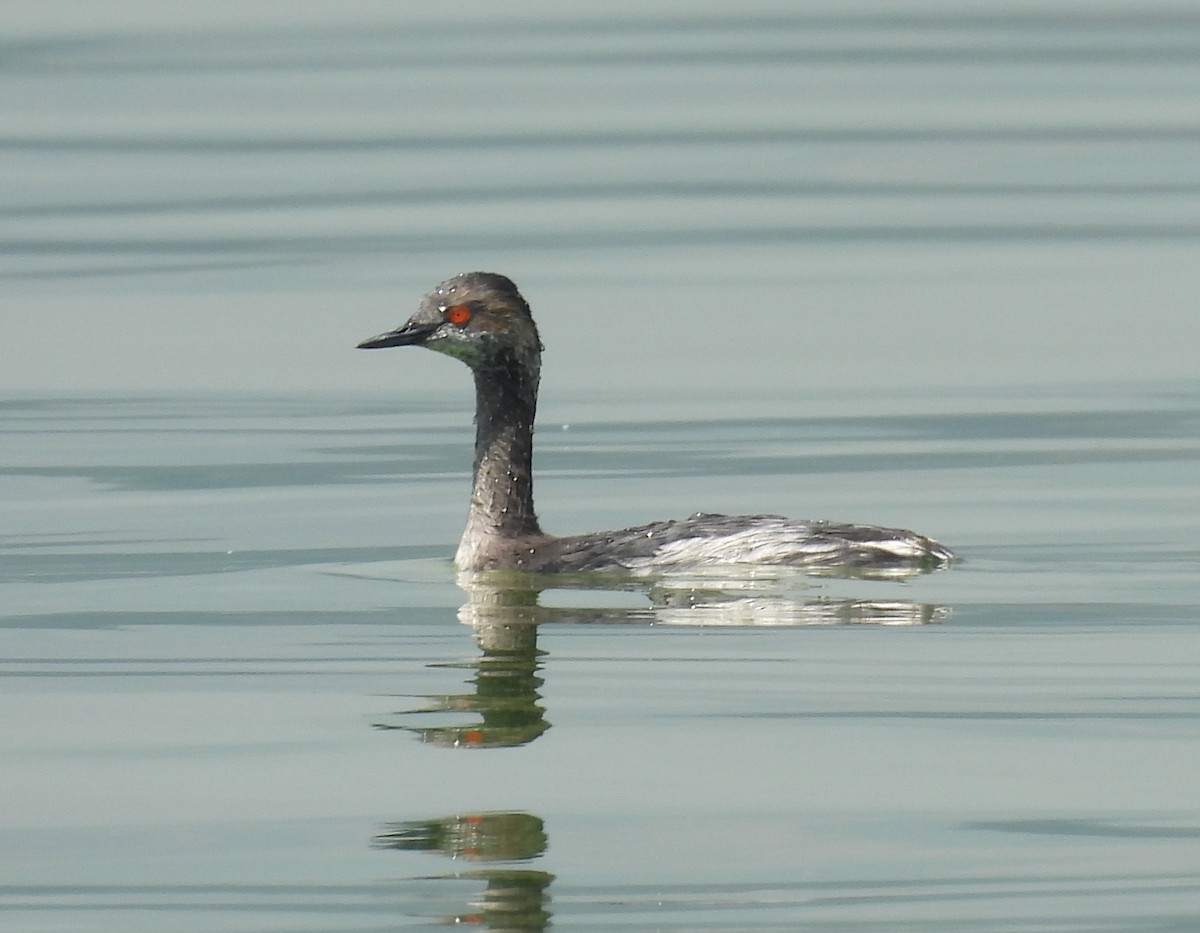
(477, 317)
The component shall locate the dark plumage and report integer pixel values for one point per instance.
(481, 319)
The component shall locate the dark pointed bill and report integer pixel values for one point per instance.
(409, 335)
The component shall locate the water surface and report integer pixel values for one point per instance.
(254, 677)
(916, 265)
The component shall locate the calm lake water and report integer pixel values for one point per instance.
(918, 265)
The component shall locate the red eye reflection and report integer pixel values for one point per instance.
(458, 314)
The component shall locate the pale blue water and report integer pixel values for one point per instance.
(915, 265)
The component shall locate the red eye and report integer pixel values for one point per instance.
(458, 314)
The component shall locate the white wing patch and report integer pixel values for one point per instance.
(775, 541)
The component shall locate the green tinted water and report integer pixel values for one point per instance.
(915, 265)
(251, 690)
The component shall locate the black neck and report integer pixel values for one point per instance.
(505, 407)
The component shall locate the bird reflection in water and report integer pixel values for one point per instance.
(505, 608)
(503, 708)
(512, 898)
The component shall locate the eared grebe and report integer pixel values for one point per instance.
(481, 319)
